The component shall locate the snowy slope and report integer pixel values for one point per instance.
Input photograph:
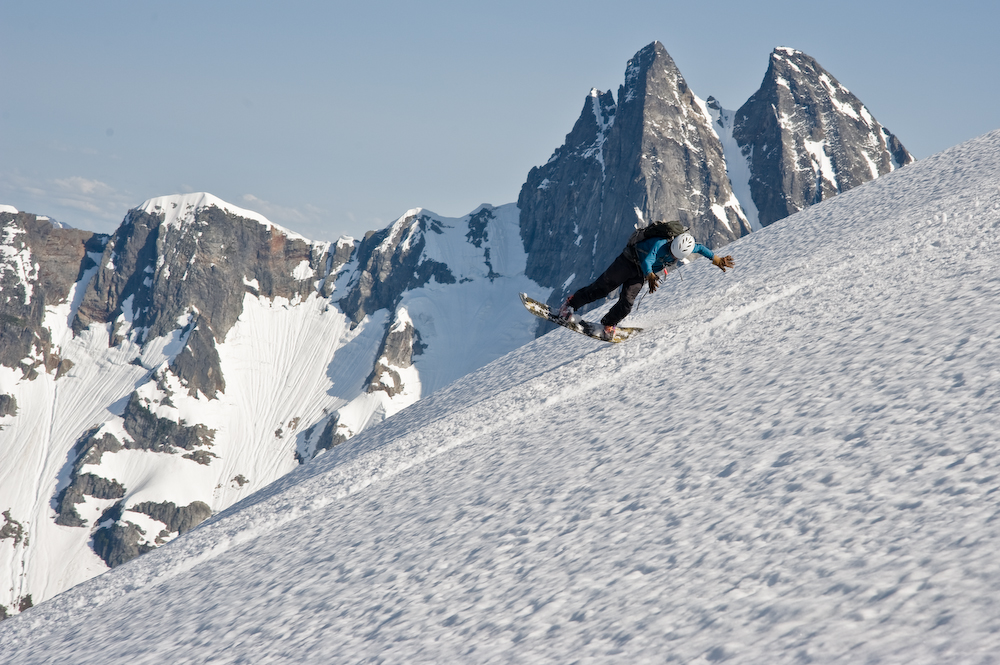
(798, 462)
(290, 364)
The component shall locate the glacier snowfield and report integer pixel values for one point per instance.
(798, 461)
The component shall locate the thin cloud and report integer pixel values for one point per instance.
(79, 186)
(59, 197)
(291, 217)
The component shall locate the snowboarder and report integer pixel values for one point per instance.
(636, 264)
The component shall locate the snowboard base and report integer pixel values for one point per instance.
(595, 330)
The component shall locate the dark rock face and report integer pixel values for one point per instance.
(807, 138)
(159, 434)
(478, 235)
(117, 540)
(11, 529)
(88, 450)
(653, 154)
(177, 519)
(85, 484)
(148, 432)
(391, 262)
(156, 273)
(8, 405)
(39, 263)
(400, 344)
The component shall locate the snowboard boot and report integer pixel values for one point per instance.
(566, 311)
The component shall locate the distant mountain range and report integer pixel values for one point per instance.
(153, 377)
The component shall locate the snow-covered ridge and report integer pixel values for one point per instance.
(180, 209)
(8, 208)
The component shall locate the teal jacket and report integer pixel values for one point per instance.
(654, 254)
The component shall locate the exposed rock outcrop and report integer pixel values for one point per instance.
(150, 432)
(119, 540)
(11, 529)
(807, 138)
(178, 519)
(391, 262)
(39, 263)
(89, 449)
(400, 344)
(8, 405)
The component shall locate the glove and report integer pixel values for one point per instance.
(653, 280)
(723, 262)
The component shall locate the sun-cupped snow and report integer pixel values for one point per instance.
(796, 461)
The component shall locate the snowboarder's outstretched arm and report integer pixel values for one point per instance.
(654, 255)
(723, 262)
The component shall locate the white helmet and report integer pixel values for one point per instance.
(682, 246)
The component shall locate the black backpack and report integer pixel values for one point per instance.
(668, 230)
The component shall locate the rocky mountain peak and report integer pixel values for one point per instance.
(652, 72)
(639, 159)
(392, 261)
(132, 325)
(186, 262)
(807, 138)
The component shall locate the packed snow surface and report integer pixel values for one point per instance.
(797, 461)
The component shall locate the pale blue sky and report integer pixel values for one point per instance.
(336, 117)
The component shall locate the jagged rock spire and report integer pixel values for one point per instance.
(652, 155)
(807, 138)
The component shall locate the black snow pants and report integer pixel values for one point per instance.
(623, 272)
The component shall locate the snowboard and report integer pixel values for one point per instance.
(595, 330)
